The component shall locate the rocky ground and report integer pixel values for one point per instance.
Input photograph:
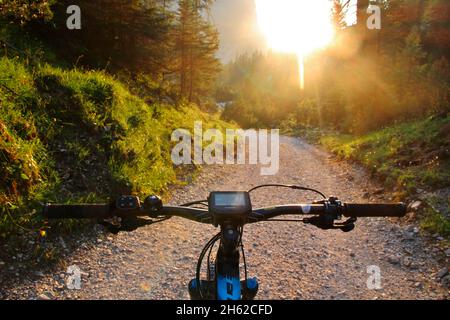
(291, 261)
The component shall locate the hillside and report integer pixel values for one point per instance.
(70, 135)
(410, 158)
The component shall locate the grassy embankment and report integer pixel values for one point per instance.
(410, 158)
(68, 135)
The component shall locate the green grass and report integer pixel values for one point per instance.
(62, 129)
(407, 156)
(433, 221)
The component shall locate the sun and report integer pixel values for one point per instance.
(295, 26)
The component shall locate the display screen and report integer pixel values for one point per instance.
(230, 199)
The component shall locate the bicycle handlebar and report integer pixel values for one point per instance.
(374, 210)
(103, 211)
(349, 210)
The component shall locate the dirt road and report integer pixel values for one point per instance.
(291, 261)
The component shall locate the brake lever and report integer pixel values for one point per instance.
(127, 204)
(324, 222)
(347, 225)
(327, 222)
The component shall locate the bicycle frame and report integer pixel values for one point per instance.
(227, 284)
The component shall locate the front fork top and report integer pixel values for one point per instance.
(227, 284)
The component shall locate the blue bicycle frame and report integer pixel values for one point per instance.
(226, 284)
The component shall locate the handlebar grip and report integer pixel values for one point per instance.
(76, 211)
(374, 210)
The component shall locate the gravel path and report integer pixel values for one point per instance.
(291, 261)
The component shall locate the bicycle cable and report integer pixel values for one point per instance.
(190, 204)
(209, 261)
(295, 187)
(200, 260)
(243, 256)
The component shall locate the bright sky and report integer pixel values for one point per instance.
(295, 26)
(240, 30)
(238, 27)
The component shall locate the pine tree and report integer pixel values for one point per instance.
(115, 34)
(437, 26)
(197, 42)
(338, 14)
(361, 13)
(25, 10)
